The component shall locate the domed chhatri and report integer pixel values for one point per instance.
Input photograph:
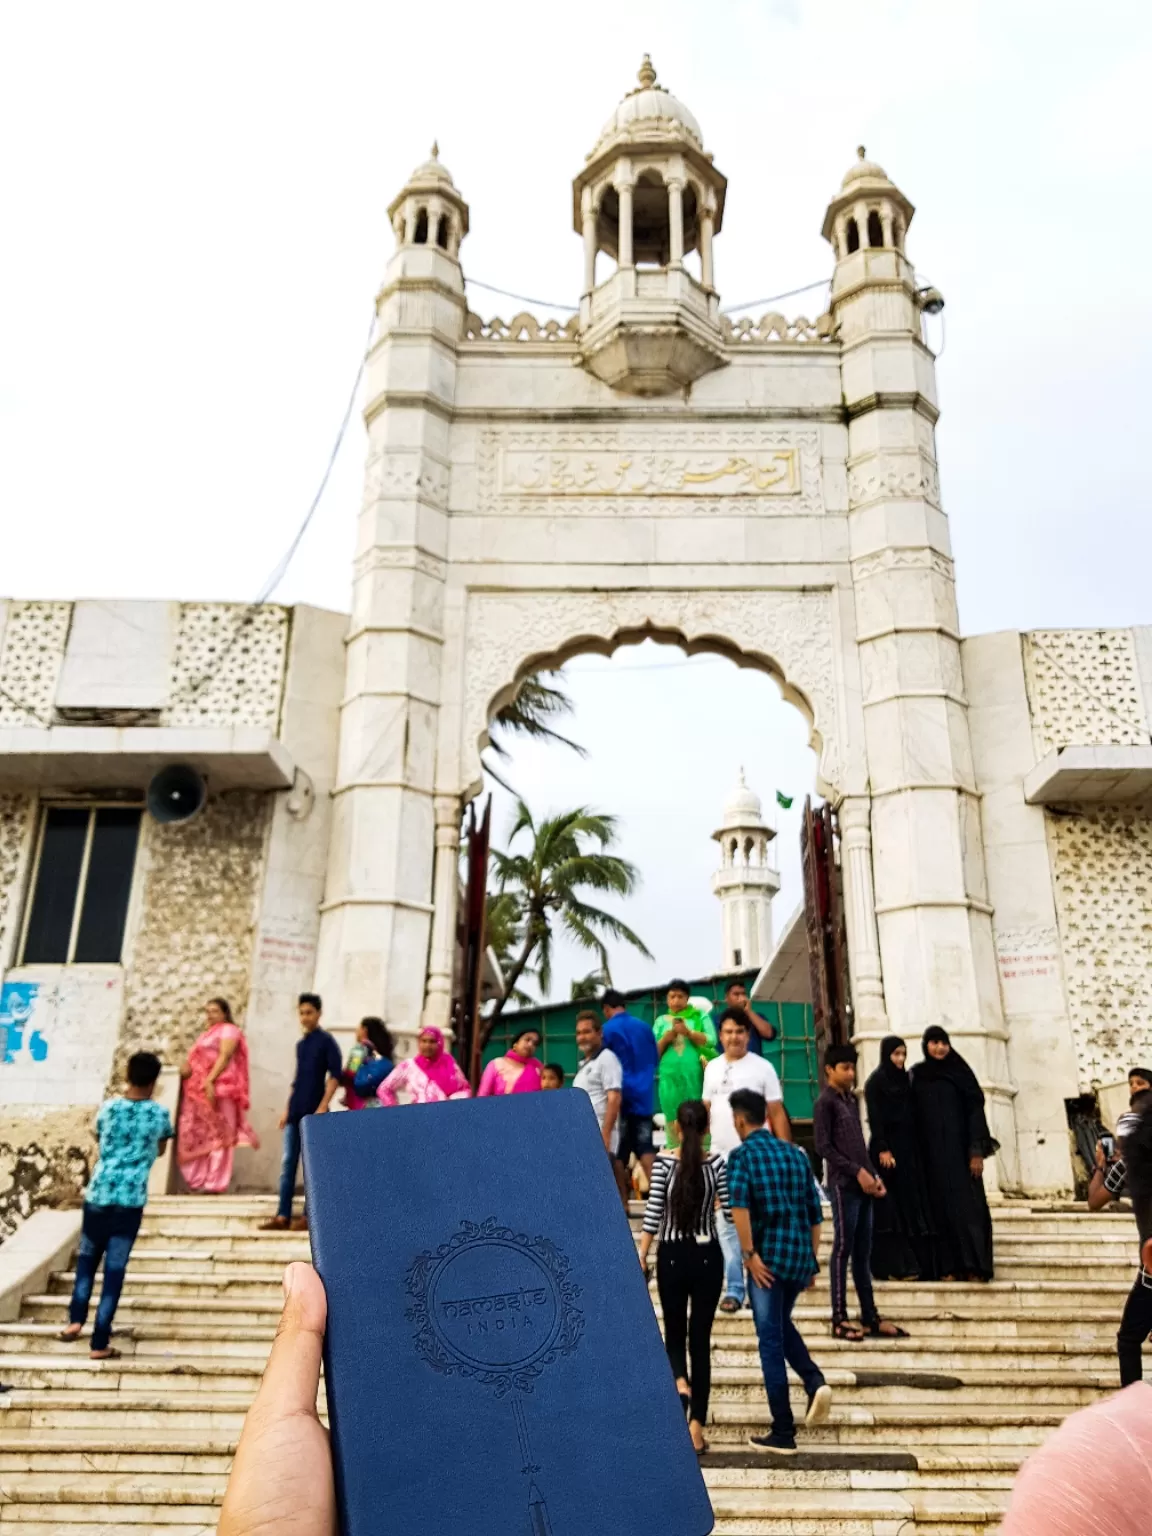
(743, 807)
(647, 197)
(649, 109)
(429, 210)
(869, 212)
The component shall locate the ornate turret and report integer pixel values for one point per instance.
(747, 879)
(429, 219)
(647, 197)
(874, 284)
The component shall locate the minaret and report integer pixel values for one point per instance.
(387, 829)
(918, 832)
(746, 881)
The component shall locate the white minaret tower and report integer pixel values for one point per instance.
(746, 881)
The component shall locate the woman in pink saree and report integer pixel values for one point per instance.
(213, 1111)
(430, 1077)
(518, 1071)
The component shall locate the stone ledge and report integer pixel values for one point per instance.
(43, 1244)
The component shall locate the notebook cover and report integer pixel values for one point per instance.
(493, 1364)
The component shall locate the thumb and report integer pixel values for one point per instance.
(292, 1375)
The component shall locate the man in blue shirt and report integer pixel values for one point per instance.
(133, 1130)
(776, 1211)
(760, 1030)
(634, 1045)
(318, 1068)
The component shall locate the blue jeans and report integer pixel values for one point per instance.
(781, 1346)
(107, 1232)
(289, 1163)
(733, 1257)
(852, 1215)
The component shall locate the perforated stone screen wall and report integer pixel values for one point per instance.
(1103, 877)
(1084, 688)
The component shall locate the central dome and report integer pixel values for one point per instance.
(650, 110)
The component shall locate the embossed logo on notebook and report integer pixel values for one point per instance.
(495, 1305)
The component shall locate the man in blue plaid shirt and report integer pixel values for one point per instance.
(776, 1212)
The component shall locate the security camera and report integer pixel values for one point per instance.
(931, 300)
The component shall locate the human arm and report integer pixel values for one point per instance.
(612, 1102)
(774, 1100)
(335, 1072)
(758, 1272)
(225, 1054)
(877, 1124)
(702, 1033)
(488, 1080)
(763, 1027)
(655, 1206)
(396, 1079)
(666, 1033)
(164, 1131)
(1108, 1181)
(837, 1163)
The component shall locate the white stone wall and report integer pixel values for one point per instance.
(225, 904)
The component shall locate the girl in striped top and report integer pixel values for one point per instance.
(686, 1186)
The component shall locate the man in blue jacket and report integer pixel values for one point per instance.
(634, 1045)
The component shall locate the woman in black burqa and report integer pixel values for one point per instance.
(902, 1246)
(955, 1141)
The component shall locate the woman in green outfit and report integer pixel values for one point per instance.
(686, 1039)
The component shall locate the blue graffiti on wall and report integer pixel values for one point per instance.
(17, 1002)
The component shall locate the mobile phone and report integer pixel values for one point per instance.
(1108, 1142)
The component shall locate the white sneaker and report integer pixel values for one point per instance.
(819, 1406)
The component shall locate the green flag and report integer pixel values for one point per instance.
(783, 801)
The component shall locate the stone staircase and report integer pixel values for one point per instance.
(925, 1433)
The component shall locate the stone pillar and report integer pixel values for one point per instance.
(588, 215)
(932, 909)
(624, 247)
(445, 889)
(871, 1017)
(675, 223)
(376, 920)
(707, 221)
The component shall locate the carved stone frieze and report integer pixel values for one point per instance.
(892, 475)
(791, 633)
(1084, 688)
(16, 812)
(893, 559)
(653, 471)
(400, 475)
(399, 558)
(522, 327)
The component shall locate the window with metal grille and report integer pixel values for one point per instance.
(81, 884)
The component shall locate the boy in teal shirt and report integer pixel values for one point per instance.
(133, 1131)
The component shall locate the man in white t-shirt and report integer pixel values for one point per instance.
(738, 1068)
(600, 1076)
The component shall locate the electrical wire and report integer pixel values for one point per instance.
(570, 309)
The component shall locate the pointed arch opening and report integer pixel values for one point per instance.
(875, 230)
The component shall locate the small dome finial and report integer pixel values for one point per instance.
(647, 75)
(435, 149)
(859, 151)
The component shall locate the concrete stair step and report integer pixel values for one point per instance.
(855, 1512)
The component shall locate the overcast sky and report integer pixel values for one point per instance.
(193, 202)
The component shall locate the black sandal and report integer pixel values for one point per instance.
(851, 1333)
(876, 1329)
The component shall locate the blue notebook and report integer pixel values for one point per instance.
(493, 1362)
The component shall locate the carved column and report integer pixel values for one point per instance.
(871, 1017)
(706, 222)
(624, 247)
(445, 891)
(675, 223)
(588, 214)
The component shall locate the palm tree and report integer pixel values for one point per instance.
(566, 856)
(536, 704)
(588, 988)
(502, 922)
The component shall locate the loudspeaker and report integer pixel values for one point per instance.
(176, 793)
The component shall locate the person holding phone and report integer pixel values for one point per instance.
(686, 1040)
